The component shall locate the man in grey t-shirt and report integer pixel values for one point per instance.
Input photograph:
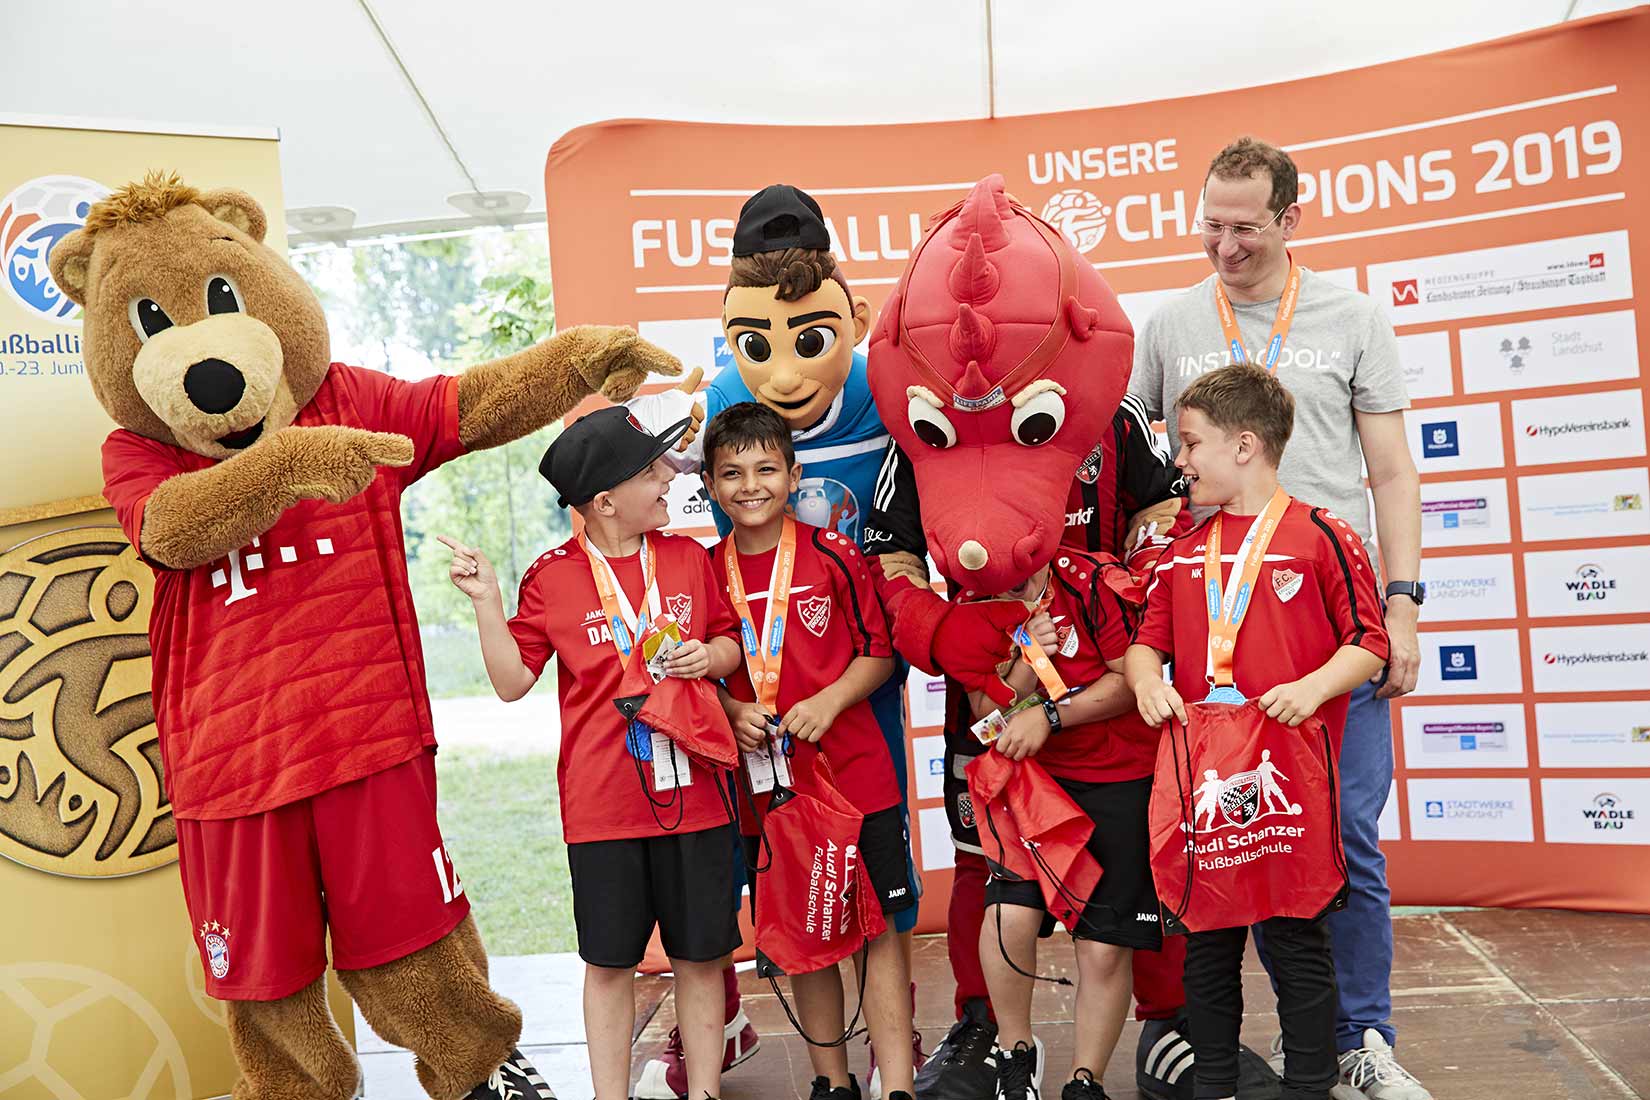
(1339, 359)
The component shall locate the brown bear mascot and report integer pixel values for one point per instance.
(262, 482)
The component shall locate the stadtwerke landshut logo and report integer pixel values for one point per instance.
(33, 218)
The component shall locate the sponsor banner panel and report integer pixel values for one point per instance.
(1469, 662)
(1558, 351)
(1470, 809)
(1455, 437)
(1471, 736)
(1590, 658)
(1469, 586)
(1580, 428)
(1595, 811)
(1598, 581)
(1600, 734)
(1463, 513)
(1595, 504)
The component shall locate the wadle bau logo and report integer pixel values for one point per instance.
(1226, 809)
(1607, 812)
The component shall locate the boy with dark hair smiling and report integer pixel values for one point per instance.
(634, 863)
(1296, 581)
(815, 648)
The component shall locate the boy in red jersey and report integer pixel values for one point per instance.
(1087, 736)
(816, 647)
(1298, 583)
(637, 858)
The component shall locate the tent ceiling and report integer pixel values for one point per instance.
(390, 108)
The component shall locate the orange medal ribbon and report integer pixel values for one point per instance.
(623, 622)
(1280, 327)
(1035, 656)
(765, 650)
(1226, 608)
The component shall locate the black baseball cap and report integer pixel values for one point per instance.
(602, 449)
(779, 217)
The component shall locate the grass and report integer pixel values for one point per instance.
(501, 819)
(452, 662)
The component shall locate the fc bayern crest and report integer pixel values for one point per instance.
(680, 607)
(216, 939)
(815, 613)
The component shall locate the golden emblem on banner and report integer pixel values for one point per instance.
(80, 768)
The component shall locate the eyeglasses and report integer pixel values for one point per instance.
(1239, 231)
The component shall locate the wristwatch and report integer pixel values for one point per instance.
(1415, 590)
(1052, 713)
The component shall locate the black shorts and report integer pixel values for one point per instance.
(959, 807)
(1123, 909)
(683, 882)
(884, 851)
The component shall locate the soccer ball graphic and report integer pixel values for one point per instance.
(33, 219)
(55, 1017)
(1079, 216)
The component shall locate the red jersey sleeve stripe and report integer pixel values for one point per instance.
(1358, 628)
(862, 633)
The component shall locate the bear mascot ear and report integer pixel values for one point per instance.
(68, 261)
(238, 209)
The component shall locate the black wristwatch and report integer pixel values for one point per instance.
(1052, 713)
(1415, 590)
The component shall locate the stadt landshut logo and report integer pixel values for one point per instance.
(33, 218)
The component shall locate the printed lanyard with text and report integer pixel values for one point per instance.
(1280, 327)
(765, 650)
(624, 621)
(1035, 656)
(1226, 608)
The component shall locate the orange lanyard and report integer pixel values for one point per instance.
(1280, 327)
(624, 622)
(762, 659)
(1035, 656)
(1226, 609)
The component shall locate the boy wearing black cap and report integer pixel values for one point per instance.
(647, 833)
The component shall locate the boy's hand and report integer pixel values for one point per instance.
(1156, 699)
(1041, 627)
(750, 724)
(809, 719)
(1294, 702)
(470, 570)
(1025, 735)
(688, 661)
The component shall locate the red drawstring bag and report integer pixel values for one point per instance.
(1245, 820)
(1031, 827)
(815, 902)
(686, 711)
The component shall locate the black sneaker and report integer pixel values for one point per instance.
(1020, 1071)
(514, 1079)
(964, 1065)
(822, 1090)
(1083, 1086)
(1163, 1066)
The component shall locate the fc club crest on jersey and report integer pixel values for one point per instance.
(1286, 582)
(1089, 472)
(815, 613)
(215, 937)
(680, 607)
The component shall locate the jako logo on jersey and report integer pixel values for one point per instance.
(1406, 293)
(815, 613)
(215, 938)
(33, 218)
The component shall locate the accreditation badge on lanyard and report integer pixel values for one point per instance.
(625, 623)
(765, 650)
(1227, 607)
(1280, 326)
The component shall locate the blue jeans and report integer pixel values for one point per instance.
(1361, 934)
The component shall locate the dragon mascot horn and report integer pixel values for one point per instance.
(997, 364)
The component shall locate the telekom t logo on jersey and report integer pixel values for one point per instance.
(241, 564)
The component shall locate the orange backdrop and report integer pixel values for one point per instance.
(1486, 197)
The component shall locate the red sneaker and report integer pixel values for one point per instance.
(665, 1078)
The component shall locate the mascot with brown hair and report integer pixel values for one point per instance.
(262, 484)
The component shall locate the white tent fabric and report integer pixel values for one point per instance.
(422, 115)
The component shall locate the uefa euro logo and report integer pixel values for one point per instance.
(33, 218)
